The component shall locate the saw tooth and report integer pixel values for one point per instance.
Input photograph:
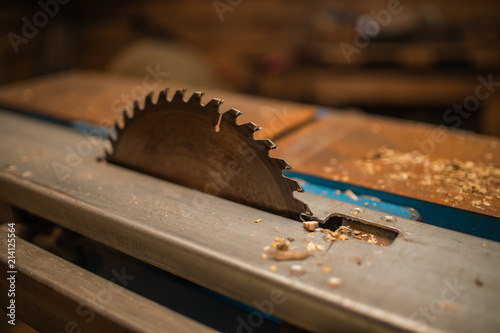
(249, 128)
(163, 97)
(268, 143)
(128, 112)
(214, 104)
(294, 184)
(119, 122)
(196, 97)
(212, 109)
(108, 149)
(148, 102)
(127, 117)
(113, 133)
(137, 107)
(232, 114)
(179, 96)
(282, 163)
(229, 118)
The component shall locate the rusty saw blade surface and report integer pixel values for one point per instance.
(194, 145)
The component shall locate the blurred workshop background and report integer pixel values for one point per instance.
(406, 59)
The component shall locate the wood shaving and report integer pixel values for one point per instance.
(452, 179)
(288, 255)
(478, 281)
(343, 237)
(334, 281)
(258, 220)
(27, 174)
(351, 195)
(311, 246)
(297, 269)
(310, 225)
(283, 246)
(453, 307)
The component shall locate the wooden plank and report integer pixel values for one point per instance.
(430, 163)
(54, 295)
(98, 98)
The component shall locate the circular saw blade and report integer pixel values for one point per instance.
(194, 145)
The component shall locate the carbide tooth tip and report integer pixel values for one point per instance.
(137, 106)
(230, 116)
(267, 143)
(196, 97)
(179, 95)
(148, 100)
(108, 149)
(235, 113)
(128, 113)
(113, 133)
(282, 163)
(163, 97)
(214, 103)
(253, 126)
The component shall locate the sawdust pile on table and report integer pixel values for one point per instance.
(457, 180)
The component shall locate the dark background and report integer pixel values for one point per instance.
(424, 59)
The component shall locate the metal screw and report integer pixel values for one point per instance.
(388, 218)
(357, 211)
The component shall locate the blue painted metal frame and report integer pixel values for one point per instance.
(467, 222)
(362, 201)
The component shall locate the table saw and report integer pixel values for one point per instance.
(379, 226)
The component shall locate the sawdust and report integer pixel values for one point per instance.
(351, 195)
(289, 255)
(343, 233)
(310, 225)
(457, 180)
(334, 282)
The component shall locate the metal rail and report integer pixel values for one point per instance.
(53, 295)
